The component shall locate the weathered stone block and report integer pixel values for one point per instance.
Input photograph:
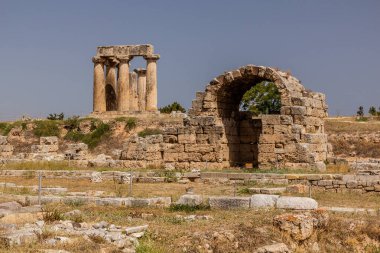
(187, 138)
(229, 202)
(263, 201)
(296, 203)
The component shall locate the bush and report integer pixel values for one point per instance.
(175, 106)
(149, 131)
(131, 123)
(92, 139)
(46, 128)
(50, 214)
(55, 116)
(72, 123)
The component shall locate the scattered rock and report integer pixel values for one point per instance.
(301, 226)
(96, 177)
(274, 248)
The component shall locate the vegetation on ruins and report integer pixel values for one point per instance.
(92, 139)
(56, 116)
(149, 131)
(46, 128)
(263, 98)
(130, 123)
(175, 106)
(6, 127)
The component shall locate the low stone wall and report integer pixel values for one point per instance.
(330, 182)
(6, 150)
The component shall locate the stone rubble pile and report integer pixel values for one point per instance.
(6, 150)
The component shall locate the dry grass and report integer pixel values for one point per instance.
(350, 125)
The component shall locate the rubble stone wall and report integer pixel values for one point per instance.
(217, 135)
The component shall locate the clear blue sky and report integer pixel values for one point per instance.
(46, 47)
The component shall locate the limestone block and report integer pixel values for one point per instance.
(210, 157)
(268, 129)
(6, 148)
(190, 200)
(263, 201)
(314, 138)
(187, 138)
(229, 202)
(51, 140)
(267, 139)
(171, 157)
(3, 140)
(154, 139)
(170, 138)
(282, 129)
(202, 138)
(44, 148)
(274, 248)
(172, 147)
(201, 148)
(271, 119)
(153, 147)
(170, 131)
(187, 157)
(296, 203)
(151, 156)
(266, 148)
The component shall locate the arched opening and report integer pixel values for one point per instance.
(111, 104)
(242, 121)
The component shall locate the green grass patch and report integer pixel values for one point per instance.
(91, 139)
(6, 127)
(47, 128)
(149, 131)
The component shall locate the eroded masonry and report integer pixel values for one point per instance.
(217, 135)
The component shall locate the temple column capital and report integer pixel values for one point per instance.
(97, 59)
(153, 57)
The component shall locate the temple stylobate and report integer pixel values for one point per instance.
(118, 89)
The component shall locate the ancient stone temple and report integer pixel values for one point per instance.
(218, 135)
(118, 89)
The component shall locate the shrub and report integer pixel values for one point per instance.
(93, 139)
(50, 214)
(5, 128)
(175, 106)
(130, 124)
(149, 131)
(55, 116)
(46, 128)
(72, 123)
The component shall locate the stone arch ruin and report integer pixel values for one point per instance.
(217, 135)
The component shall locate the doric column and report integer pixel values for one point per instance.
(141, 88)
(99, 95)
(133, 99)
(123, 85)
(111, 72)
(151, 82)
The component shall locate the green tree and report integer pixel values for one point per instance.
(372, 111)
(263, 98)
(55, 116)
(175, 106)
(360, 112)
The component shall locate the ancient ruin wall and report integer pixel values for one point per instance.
(217, 135)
